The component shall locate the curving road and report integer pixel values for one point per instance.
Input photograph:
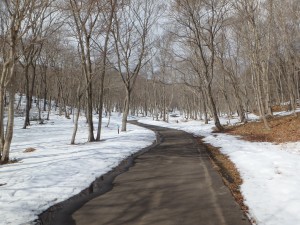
(174, 183)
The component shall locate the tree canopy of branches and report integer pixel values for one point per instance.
(203, 59)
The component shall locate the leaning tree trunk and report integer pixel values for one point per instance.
(20, 101)
(239, 104)
(106, 42)
(214, 109)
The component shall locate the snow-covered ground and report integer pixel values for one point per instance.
(270, 172)
(58, 170)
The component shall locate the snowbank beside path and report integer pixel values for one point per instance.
(58, 170)
(270, 172)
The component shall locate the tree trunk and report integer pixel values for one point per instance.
(19, 102)
(164, 103)
(259, 96)
(9, 129)
(76, 124)
(126, 110)
(100, 111)
(2, 93)
(45, 88)
(239, 103)
(214, 109)
(29, 93)
(39, 109)
(28, 98)
(49, 109)
(89, 115)
(108, 121)
(204, 107)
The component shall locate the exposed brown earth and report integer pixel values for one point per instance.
(27, 150)
(283, 129)
(227, 169)
(229, 173)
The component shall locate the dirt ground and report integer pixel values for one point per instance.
(283, 129)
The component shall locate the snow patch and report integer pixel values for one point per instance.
(56, 170)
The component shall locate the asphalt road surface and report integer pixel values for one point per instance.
(174, 183)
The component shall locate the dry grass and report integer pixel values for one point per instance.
(280, 108)
(283, 129)
(276, 108)
(29, 150)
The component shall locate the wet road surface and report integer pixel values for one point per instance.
(174, 183)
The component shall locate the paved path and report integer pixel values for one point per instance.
(172, 184)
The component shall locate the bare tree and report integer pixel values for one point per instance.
(85, 15)
(229, 66)
(164, 60)
(17, 20)
(43, 22)
(198, 24)
(108, 11)
(258, 56)
(132, 32)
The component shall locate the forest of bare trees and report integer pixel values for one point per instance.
(203, 59)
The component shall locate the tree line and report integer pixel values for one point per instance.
(204, 58)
